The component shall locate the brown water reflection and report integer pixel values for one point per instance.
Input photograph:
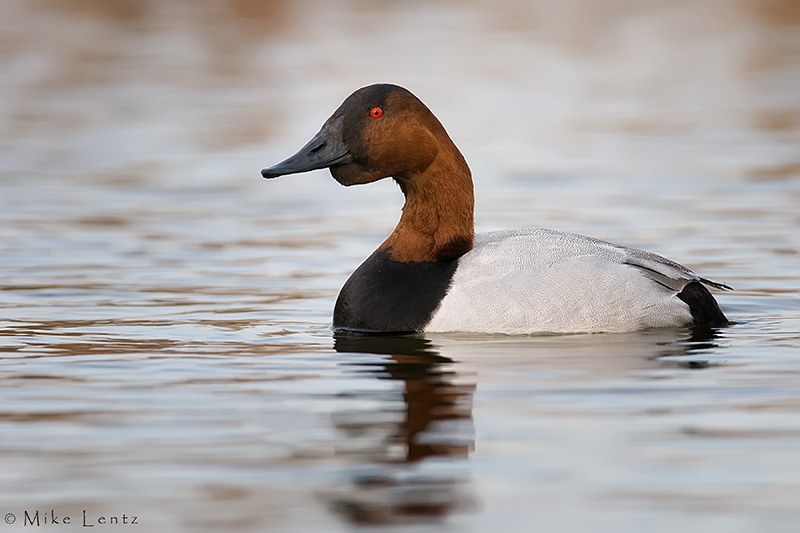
(388, 447)
(387, 484)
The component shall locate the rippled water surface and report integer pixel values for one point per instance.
(164, 312)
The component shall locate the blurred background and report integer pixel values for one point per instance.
(142, 87)
(164, 312)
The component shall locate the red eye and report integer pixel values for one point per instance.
(376, 112)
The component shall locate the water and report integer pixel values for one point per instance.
(165, 344)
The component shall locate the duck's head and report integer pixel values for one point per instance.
(379, 131)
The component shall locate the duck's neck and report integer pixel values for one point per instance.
(437, 223)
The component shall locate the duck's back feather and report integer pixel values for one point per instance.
(540, 280)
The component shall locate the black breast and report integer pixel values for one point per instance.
(385, 296)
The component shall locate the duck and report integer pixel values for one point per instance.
(433, 273)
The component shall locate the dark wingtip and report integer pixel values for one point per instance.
(716, 284)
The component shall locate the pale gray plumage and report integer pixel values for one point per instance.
(542, 280)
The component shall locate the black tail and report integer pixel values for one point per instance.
(703, 306)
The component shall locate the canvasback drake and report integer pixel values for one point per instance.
(433, 273)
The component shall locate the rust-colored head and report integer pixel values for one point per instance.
(384, 130)
(379, 131)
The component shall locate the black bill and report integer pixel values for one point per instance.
(325, 149)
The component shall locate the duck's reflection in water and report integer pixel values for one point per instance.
(407, 456)
(406, 447)
(701, 340)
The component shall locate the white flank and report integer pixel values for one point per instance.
(540, 280)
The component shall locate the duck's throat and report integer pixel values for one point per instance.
(437, 223)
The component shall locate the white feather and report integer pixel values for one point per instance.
(540, 280)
